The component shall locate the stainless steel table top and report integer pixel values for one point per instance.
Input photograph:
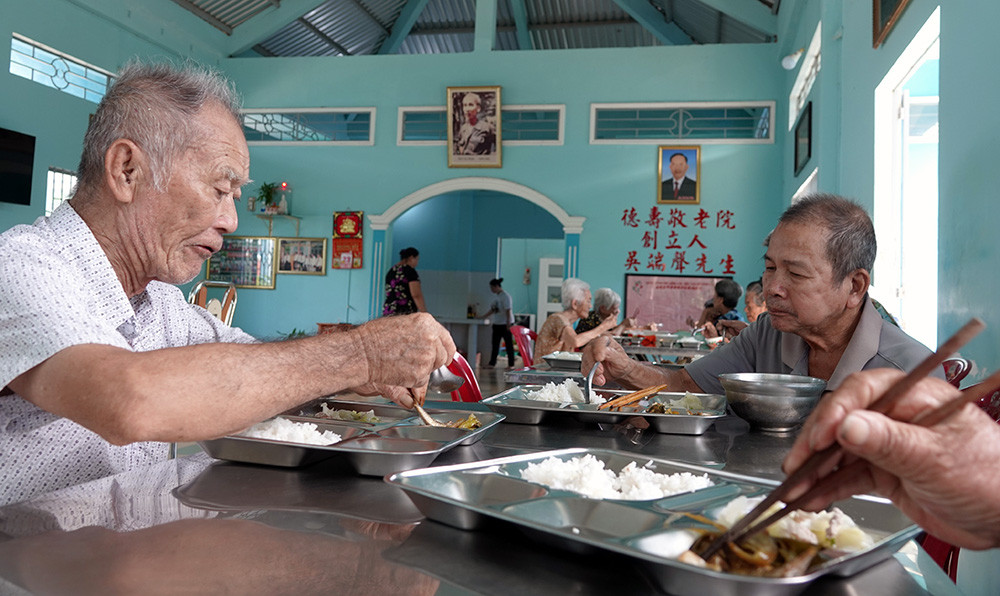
(207, 526)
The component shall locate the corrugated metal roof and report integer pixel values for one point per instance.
(359, 27)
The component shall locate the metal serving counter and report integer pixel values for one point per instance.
(203, 526)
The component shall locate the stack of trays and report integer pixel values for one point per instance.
(564, 360)
(513, 404)
(652, 532)
(398, 441)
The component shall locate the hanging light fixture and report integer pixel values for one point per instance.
(789, 61)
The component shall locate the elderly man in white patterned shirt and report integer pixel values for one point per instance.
(102, 360)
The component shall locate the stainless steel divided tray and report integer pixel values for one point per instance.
(387, 414)
(563, 361)
(513, 404)
(653, 532)
(405, 445)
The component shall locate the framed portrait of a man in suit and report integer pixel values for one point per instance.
(678, 175)
(474, 127)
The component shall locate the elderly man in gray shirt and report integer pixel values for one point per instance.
(820, 320)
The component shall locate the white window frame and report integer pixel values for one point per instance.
(371, 125)
(887, 285)
(560, 108)
(804, 81)
(64, 56)
(594, 107)
(52, 201)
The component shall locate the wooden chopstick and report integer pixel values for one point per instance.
(631, 398)
(821, 459)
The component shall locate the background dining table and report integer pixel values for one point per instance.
(199, 525)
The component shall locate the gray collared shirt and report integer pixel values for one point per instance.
(760, 347)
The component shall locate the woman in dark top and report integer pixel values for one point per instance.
(402, 286)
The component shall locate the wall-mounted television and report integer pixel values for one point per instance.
(17, 158)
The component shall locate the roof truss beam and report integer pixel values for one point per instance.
(522, 33)
(655, 22)
(753, 14)
(407, 18)
(267, 23)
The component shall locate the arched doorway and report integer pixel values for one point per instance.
(572, 225)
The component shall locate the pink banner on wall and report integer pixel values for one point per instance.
(667, 300)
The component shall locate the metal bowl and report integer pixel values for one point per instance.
(772, 402)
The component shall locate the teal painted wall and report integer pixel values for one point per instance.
(598, 182)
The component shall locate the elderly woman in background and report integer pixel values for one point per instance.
(607, 304)
(557, 332)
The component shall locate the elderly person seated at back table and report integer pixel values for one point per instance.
(722, 306)
(557, 332)
(607, 303)
(820, 322)
(102, 360)
(755, 305)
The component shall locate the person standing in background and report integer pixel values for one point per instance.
(501, 315)
(402, 286)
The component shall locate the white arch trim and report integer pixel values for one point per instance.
(571, 224)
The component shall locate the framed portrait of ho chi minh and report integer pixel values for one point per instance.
(678, 175)
(474, 127)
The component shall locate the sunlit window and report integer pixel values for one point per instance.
(52, 68)
(59, 187)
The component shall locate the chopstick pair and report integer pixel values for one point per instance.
(746, 527)
(631, 398)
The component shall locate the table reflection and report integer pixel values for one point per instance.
(324, 554)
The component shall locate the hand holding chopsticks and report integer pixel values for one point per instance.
(802, 483)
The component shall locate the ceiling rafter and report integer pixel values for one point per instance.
(360, 27)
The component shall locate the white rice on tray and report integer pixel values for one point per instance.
(566, 393)
(588, 476)
(282, 429)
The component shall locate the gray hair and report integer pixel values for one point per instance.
(607, 298)
(851, 243)
(153, 106)
(573, 289)
(756, 287)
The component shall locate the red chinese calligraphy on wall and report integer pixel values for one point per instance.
(681, 237)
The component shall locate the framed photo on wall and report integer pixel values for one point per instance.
(474, 127)
(678, 174)
(885, 13)
(803, 138)
(303, 256)
(245, 261)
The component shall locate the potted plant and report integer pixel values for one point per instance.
(266, 194)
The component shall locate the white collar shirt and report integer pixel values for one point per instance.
(58, 289)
